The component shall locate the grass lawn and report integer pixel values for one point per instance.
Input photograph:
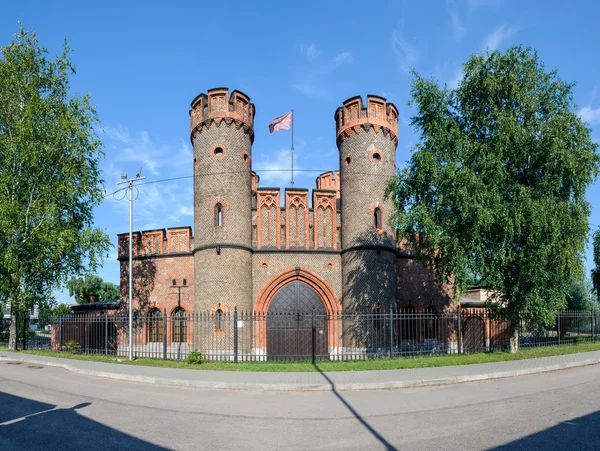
(359, 365)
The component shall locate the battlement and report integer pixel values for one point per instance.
(156, 242)
(330, 181)
(218, 106)
(378, 114)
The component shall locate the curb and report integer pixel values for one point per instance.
(308, 387)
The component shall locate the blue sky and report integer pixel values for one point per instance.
(144, 62)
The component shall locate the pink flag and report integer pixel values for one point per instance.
(281, 122)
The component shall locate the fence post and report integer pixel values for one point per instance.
(106, 334)
(593, 331)
(314, 336)
(558, 327)
(391, 333)
(235, 335)
(165, 334)
(459, 314)
(25, 327)
(60, 333)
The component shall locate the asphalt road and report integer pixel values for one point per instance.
(53, 409)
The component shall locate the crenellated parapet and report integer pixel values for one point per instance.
(268, 218)
(324, 218)
(330, 181)
(149, 243)
(378, 114)
(296, 218)
(217, 106)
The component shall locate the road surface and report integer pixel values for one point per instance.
(52, 409)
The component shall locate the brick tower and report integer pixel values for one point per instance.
(222, 132)
(367, 140)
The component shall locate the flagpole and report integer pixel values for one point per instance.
(292, 147)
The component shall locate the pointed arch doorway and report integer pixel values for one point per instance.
(289, 323)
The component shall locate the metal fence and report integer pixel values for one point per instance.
(569, 327)
(240, 336)
(27, 338)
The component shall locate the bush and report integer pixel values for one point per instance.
(195, 357)
(72, 346)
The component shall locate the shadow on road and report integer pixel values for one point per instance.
(30, 424)
(362, 421)
(580, 433)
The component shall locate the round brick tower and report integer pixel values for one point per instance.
(367, 140)
(222, 132)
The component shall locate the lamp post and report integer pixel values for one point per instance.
(179, 287)
(124, 180)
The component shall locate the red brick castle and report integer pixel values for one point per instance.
(332, 248)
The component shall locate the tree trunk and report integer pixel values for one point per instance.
(12, 331)
(514, 341)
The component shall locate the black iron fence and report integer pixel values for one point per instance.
(241, 336)
(27, 337)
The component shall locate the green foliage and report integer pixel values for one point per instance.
(82, 288)
(49, 313)
(497, 182)
(596, 270)
(72, 346)
(195, 357)
(49, 175)
(581, 295)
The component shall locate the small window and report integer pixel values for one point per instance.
(155, 326)
(219, 215)
(218, 152)
(219, 320)
(377, 218)
(179, 326)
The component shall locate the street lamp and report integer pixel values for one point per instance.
(124, 179)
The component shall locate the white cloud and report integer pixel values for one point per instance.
(458, 29)
(406, 55)
(474, 4)
(456, 79)
(342, 58)
(312, 79)
(185, 150)
(310, 51)
(120, 134)
(163, 204)
(304, 89)
(496, 37)
(186, 210)
(590, 115)
(276, 169)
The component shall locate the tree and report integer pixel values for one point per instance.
(596, 270)
(581, 296)
(48, 313)
(496, 185)
(49, 176)
(82, 288)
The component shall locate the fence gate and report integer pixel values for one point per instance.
(289, 323)
(473, 334)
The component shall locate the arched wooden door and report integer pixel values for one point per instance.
(289, 323)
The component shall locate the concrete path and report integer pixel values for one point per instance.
(317, 381)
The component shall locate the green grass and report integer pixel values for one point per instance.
(359, 365)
